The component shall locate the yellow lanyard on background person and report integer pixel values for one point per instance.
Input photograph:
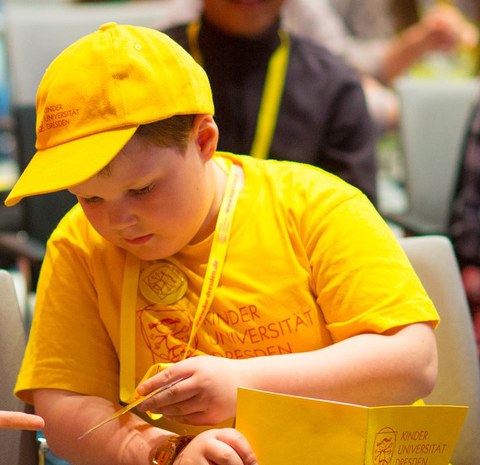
(215, 263)
(272, 90)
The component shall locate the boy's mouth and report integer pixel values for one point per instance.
(139, 240)
(247, 2)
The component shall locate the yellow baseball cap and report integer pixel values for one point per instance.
(94, 96)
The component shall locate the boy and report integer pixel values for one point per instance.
(197, 270)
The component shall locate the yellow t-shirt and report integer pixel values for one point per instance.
(309, 263)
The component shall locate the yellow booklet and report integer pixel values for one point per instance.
(290, 430)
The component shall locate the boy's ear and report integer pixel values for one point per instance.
(205, 131)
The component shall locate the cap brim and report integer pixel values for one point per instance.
(68, 164)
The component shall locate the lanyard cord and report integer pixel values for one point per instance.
(272, 90)
(127, 327)
(215, 263)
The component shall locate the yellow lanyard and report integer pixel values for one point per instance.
(272, 91)
(215, 263)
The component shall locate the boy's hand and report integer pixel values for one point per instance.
(206, 396)
(445, 27)
(224, 446)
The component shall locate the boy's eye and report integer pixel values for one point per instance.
(91, 199)
(143, 190)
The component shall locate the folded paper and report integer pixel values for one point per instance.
(286, 430)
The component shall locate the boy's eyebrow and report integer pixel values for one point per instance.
(139, 183)
(105, 171)
(79, 194)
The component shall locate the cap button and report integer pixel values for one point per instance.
(106, 26)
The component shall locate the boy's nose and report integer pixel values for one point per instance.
(121, 217)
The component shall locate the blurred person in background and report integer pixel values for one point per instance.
(279, 96)
(381, 39)
(465, 219)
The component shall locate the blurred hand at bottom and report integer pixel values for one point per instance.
(225, 446)
(20, 420)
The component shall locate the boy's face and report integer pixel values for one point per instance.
(150, 201)
(247, 18)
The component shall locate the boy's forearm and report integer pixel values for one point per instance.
(368, 369)
(125, 441)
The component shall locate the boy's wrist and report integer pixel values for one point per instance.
(168, 451)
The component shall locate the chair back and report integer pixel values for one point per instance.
(16, 447)
(433, 120)
(458, 381)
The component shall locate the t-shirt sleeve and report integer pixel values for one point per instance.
(69, 347)
(363, 279)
